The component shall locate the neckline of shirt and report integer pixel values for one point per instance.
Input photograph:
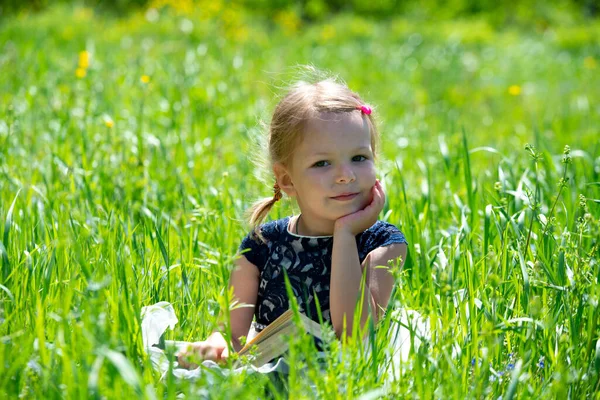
(287, 228)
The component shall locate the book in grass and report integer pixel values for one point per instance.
(273, 341)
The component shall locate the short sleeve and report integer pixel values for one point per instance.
(254, 250)
(381, 234)
(258, 251)
(386, 234)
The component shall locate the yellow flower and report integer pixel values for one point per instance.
(289, 21)
(216, 6)
(84, 59)
(212, 8)
(241, 34)
(328, 32)
(230, 17)
(145, 79)
(109, 123)
(589, 62)
(80, 72)
(514, 90)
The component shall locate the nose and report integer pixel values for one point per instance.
(345, 174)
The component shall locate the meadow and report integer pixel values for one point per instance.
(126, 166)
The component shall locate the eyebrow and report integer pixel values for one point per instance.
(362, 148)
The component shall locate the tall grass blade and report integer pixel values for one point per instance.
(4, 244)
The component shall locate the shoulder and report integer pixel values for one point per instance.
(271, 231)
(382, 242)
(381, 234)
(256, 249)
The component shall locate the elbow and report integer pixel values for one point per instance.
(341, 333)
(344, 327)
(349, 332)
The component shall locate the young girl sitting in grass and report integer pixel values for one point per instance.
(322, 146)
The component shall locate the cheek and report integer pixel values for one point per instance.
(317, 179)
(369, 175)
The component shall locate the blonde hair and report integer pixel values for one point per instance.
(303, 102)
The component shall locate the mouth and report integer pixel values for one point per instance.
(345, 196)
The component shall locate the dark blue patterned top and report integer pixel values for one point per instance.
(307, 261)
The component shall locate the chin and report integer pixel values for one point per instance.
(349, 210)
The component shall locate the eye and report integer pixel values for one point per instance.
(320, 164)
(359, 158)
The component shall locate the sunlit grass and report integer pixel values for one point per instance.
(125, 173)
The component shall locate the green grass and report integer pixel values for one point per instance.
(116, 194)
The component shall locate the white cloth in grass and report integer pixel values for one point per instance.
(155, 321)
(406, 332)
(408, 329)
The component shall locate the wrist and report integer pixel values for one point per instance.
(342, 232)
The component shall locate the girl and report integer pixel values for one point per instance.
(322, 146)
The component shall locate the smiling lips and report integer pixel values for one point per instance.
(345, 196)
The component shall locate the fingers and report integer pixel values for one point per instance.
(196, 351)
(379, 188)
(378, 197)
(224, 355)
(200, 351)
(184, 362)
(360, 220)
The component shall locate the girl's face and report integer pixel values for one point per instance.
(334, 158)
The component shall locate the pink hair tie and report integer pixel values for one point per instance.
(365, 109)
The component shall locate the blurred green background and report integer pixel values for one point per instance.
(527, 11)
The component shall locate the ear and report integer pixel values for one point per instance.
(284, 179)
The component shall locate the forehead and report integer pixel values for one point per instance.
(335, 131)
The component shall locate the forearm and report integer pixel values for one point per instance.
(345, 285)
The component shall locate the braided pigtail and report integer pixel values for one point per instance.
(259, 210)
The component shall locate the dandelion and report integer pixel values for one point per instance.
(145, 79)
(328, 32)
(514, 90)
(289, 21)
(84, 59)
(80, 73)
(589, 62)
(108, 121)
(241, 34)
(212, 8)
